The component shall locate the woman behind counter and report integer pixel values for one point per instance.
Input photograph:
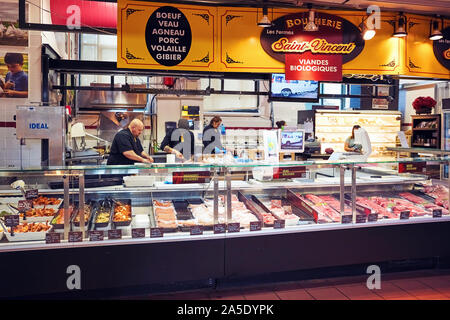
(181, 143)
(350, 145)
(211, 136)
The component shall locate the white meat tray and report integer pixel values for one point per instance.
(139, 181)
(27, 236)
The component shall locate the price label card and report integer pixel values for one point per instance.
(255, 225)
(219, 228)
(24, 205)
(52, 237)
(31, 194)
(75, 236)
(404, 215)
(12, 220)
(360, 218)
(279, 224)
(115, 234)
(347, 218)
(234, 227)
(156, 233)
(196, 230)
(372, 217)
(96, 235)
(138, 233)
(437, 213)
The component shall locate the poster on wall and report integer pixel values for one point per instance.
(312, 55)
(14, 75)
(10, 34)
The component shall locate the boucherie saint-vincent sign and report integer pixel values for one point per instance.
(312, 55)
(441, 48)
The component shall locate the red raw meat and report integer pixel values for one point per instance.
(413, 198)
(381, 211)
(276, 203)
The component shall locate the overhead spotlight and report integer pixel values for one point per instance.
(400, 31)
(367, 31)
(310, 26)
(265, 21)
(435, 33)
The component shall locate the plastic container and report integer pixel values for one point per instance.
(24, 236)
(139, 181)
(103, 225)
(61, 211)
(121, 223)
(87, 222)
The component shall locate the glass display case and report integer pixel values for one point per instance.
(169, 213)
(181, 200)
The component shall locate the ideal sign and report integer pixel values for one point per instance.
(314, 55)
(38, 126)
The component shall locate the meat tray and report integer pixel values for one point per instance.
(39, 219)
(61, 225)
(302, 209)
(121, 223)
(251, 206)
(53, 206)
(260, 209)
(24, 236)
(153, 214)
(417, 210)
(88, 221)
(106, 204)
(183, 214)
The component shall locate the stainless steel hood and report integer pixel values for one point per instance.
(107, 99)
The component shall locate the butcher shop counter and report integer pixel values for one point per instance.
(323, 215)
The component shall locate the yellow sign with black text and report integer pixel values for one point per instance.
(167, 36)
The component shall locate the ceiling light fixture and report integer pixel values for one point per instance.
(265, 21)
(400, 31)
(310, 26)
(435, 33)
(367, 30)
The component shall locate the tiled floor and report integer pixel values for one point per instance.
(414, 285)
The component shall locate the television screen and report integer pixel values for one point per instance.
(293, 90)
(292, 140)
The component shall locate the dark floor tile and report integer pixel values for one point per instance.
(294, 294)
(227, 295)
(390, 291)
(358, 292)
(438, 283)
(260, 295)
(326, 293)
(417, 289)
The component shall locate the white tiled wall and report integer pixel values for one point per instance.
(9, 145)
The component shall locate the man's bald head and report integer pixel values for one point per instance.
(136, 127)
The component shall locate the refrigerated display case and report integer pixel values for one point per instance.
(196, 223)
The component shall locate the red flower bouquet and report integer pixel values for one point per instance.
(424, 104)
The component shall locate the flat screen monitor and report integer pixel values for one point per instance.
(293, 90)
(191, 124)
(292, 140)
